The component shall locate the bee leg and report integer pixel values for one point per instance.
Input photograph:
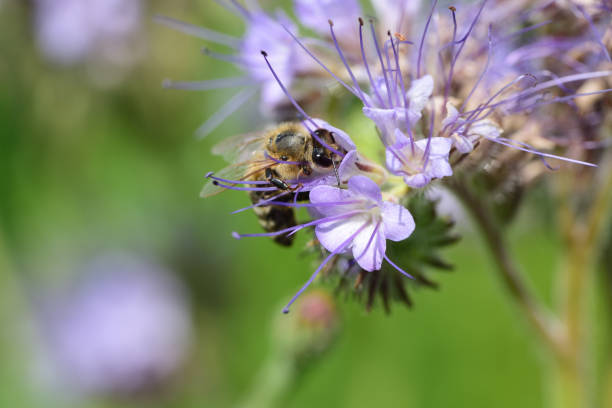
(276, 181)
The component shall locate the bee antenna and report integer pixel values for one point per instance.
(336, 172)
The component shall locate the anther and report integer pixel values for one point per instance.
(210, 173)
(265, 54)
(360, 21)
(215, 182)
(453, 9)
(236, 235)
(331, 23)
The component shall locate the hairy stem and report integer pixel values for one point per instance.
(541, 320)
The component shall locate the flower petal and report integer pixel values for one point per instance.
(438, 146)
(333, 233)
(419, 93)
(363, 186)
(398, 223)
(369, 247)
(327, 194)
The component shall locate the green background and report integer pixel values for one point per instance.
(85, 170)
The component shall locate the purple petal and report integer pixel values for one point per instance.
(398, 223)
(332, 234)
(439, 146)
(369, 247)
(327, 194)
(363, 186)
(417, 181)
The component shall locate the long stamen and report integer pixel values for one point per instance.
(226, 110)
(382, 64)
(231, 187)
(294, 163)
(521, 146)
(538, 88)
(318, 61)
(367, 66)
(596, 34)
(403, 91)
(433, 7)
(473, 115)
(211, 175)
(484, 71)
(206, 85)
(286, 92)
(463, 41)
(311, 205)
(348, 68)
(340, 248)
(261, 202)
(426, 154)
(453, 11)
(566, 98)
(200, 32)
(296, 228)
(232, 59)
(397, 267)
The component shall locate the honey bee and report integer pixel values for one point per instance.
(282, 157)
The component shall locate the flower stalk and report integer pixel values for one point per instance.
(542, 321)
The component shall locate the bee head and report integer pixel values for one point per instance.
(320, 155)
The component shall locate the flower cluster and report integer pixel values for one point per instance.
(438, 86)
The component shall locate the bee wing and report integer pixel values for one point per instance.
(236, 173)
(240, 148)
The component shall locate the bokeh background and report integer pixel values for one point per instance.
(120, 287)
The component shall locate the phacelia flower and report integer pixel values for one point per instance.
(359, 221)
(124, 327)
(106, 34)
(263, 31)
(421, 161)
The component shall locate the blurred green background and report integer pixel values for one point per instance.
(89, 168)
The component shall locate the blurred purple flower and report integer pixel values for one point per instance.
(70, 31)
(124, 328)
(263, 32)
(315, 15)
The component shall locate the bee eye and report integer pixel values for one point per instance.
(284, 158)
(319, 158)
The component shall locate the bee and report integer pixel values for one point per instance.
(282, 157)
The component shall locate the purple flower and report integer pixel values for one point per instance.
(123, 328)
(464, 137)
(359, 221)
(390, 109)
(404, 91)
(70, 31)
(263, 32)
(420, 162)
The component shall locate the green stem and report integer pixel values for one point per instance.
(544, 323)
(272, 383)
